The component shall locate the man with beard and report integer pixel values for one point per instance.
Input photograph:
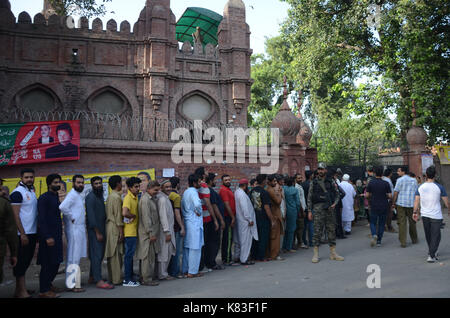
(114, 231)
(148, 233)
(321, 193)
(50, 237)
(246, 222)
(96, 221)
(75, 226)
(166, 231)
(229, 217)
(24, 204)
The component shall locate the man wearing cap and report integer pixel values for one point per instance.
(348, 213)
(245, 222)
(322, 199)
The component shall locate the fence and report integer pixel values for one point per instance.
(113, 126)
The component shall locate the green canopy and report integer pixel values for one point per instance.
(193, 17)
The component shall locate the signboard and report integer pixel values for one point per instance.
(40, 184)
(427, 161)
(38, 142)
(442, 152)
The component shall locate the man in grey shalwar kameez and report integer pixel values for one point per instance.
(246, 222)
(166, 233)
(96, 223)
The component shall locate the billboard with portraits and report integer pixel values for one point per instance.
(39, 142)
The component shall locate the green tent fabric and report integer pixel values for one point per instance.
(193, 17)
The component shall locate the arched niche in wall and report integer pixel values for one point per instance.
(198, 106)
(108, 100)
(37, 98)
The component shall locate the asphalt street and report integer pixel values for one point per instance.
(404, 272)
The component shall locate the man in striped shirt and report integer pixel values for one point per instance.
(404, 193)
(210, 224)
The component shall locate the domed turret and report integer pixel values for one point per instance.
(286, 121)
(4, 4)
(416, 136)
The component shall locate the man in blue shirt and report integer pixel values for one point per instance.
(404, 193)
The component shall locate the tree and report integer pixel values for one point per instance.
(85, 8)
(404, 56)
(267, 73)
(349, 139)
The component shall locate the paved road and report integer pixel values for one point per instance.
(404, 273)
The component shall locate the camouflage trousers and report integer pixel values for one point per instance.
(324, 218)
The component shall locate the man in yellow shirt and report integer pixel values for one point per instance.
(131, 219)
(175, 198)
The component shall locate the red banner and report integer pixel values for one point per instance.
(39, 142)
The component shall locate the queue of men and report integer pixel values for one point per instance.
(180, 236)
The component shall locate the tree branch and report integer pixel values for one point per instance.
(348, 47)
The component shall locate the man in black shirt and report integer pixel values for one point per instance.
(264, 219)
(50, 253)
(378, 193)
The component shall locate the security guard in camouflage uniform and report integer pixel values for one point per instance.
(8, 233)
(323, 197)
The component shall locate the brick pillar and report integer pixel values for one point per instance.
(417, 141)
(235, 53)
(156, 60)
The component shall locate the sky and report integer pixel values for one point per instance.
(263, 16)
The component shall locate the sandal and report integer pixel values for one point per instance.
(218, 267)
(106, 286)
(248, 263)
(77, 290)
(194, 276)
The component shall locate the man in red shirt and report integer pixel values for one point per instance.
(230, 218)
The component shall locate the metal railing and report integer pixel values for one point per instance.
(111, 126)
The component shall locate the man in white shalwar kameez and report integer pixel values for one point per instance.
(73, 210)
(191, 207)
(245, 221)
(348, 213)
(166, 231)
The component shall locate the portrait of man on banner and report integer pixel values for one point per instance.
(65, 148)
(45, 135)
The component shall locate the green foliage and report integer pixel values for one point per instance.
(85, 8)
(349, 139)
(267, 73)
(405, 58)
